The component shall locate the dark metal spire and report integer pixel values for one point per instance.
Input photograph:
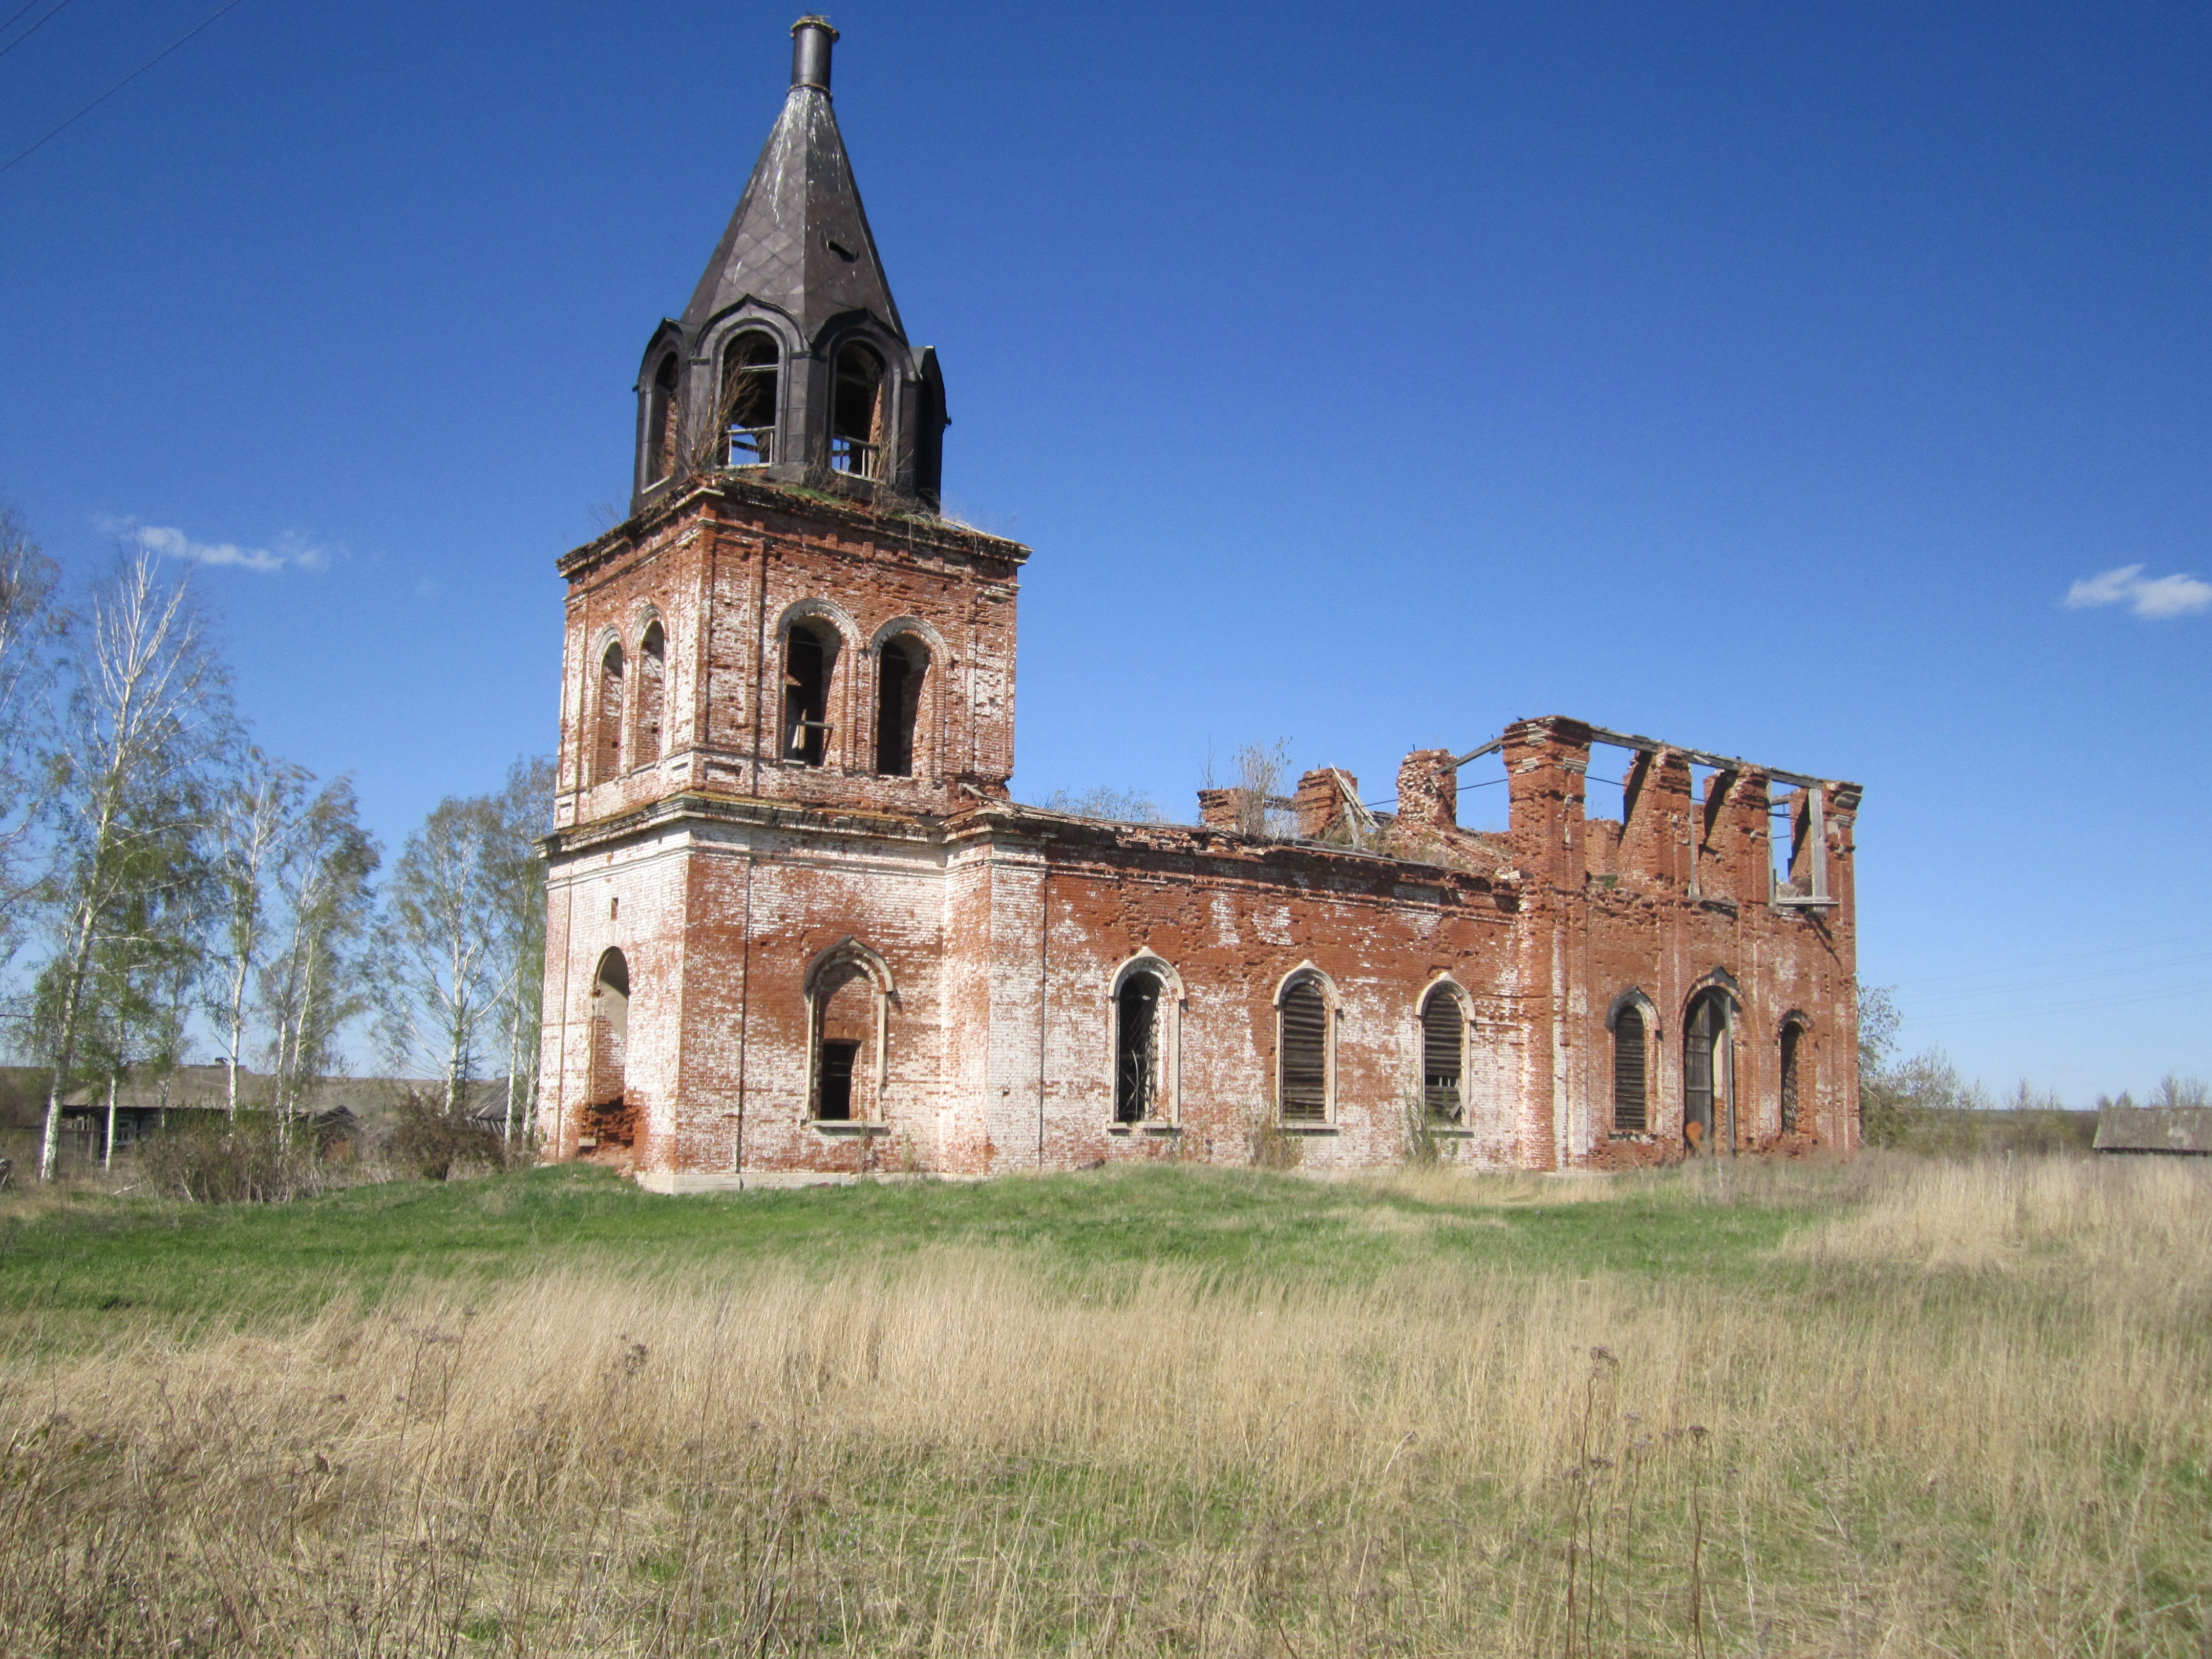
(791, 360)
(799, 240)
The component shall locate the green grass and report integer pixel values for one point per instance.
(94, 1255)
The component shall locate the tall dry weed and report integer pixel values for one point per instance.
(946, 1455)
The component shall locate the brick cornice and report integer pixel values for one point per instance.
(742, 497)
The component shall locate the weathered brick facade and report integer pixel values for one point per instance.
(798, 930)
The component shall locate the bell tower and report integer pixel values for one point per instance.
(790, 364)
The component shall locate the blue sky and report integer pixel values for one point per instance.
(1764, 378)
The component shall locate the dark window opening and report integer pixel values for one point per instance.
(834, 1096)
(1630, 1115)
(1443, 1033)
(749, 398)
(661, 420)
(1304, 1039)
(611, 712)
(1792, 1044)
(857, 416)
(653, 674)
(807, 660)
(1137, 1010)
(901, 667)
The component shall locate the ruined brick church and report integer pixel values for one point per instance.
(798, 930)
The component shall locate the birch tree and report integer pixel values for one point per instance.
(524, 812)
(258, 816)
(148, 716)
(437, 970)
(313, 983)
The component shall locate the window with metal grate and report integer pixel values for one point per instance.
(1136, 1048)
(1793, 1036)
(1443, 1035)
(1629, 1114)
(1304, 1038)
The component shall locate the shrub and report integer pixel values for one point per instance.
(434, 1142)
(245, 1160)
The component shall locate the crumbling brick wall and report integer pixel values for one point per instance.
(727, 875)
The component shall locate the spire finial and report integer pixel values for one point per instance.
(810, 40)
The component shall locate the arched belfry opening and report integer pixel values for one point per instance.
(663, 422)
(803, 367)
(652, 692)
(751, 382)
(608, 739)
(902, 669)
(858, 417)
(810, 661)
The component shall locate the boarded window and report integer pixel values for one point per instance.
(857, 413)
(808, 658)
(1304, 1040)
(901, 666)
(1630, 1113)
(748, 398)
(1136, 1049)
(653, 674)
(661, 420)
(1793, 1035)
(1443, 1035)
(608, 757)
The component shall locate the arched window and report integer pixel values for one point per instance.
(848, 997)
(608, 757)
(748, 398)
(901, 666)
(652, 692)
(1443, 1040)
(609, 1031)
(1630, 1109)
(810, 655)
(1708, 1075)
(857, 416)
(1303, 1037)
(1793, 1048)
(661, 423)
(1137, 1048)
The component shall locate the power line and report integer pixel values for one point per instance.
(2050, 962)
(2064, 978)
(1940, 1021)
(29, 149)
(34, 27)
(13, 15)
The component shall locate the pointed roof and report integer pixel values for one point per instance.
(799, 240)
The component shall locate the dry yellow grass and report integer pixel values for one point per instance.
(1967, 1413)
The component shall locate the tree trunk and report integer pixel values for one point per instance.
(108, 1147)
(66, 1051)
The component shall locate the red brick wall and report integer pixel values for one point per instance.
(993, 933)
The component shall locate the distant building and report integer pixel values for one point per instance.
(798, 930)
(2182, 1131)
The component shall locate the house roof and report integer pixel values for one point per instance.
(2154, 1129)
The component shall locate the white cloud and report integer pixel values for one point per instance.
(293, 551)
(2156, 597)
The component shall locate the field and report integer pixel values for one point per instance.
(1900, 1407)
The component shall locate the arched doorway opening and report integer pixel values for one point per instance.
(1709, 1072)
(608, 1120)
